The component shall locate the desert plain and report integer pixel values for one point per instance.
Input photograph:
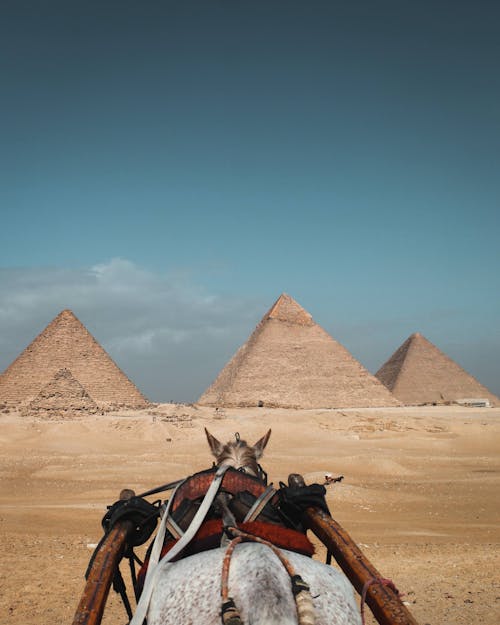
(420, 495)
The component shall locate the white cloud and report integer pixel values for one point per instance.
(168, 333)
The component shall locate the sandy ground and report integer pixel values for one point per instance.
(420, 495)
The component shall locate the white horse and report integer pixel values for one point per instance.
(188, 592)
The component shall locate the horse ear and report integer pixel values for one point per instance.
(216, 446)
(261, 444)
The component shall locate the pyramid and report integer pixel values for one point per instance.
(419, 373)
(66, 344)
(64, 396)
(289, 361)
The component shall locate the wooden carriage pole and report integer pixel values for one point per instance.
(102, 571)
(101, 574)
(383, 600)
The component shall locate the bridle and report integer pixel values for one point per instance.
(261, 474)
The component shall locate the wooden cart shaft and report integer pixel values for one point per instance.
(91, 606)
(384, 602)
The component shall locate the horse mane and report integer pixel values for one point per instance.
(238, 453)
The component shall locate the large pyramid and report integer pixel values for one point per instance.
(289, 361)
(419, 373)
(66, 344)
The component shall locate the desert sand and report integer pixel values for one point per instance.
(420, 495)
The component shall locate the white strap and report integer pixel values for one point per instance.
(154, 558)
(259, 504)
(153, 568)
(173, 528)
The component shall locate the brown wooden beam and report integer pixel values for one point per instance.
(91, 606)
(383, 601)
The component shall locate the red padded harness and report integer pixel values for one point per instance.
(210, 533)
(234, 482)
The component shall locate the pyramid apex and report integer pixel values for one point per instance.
(285, 308)
(65, 318)
(66, 313)
(418, 339)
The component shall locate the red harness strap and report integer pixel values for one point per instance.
(210, 533)
(282, 537)
(234, 482)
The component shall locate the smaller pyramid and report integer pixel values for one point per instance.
(63, 396)
(289, 361)
(420, 373)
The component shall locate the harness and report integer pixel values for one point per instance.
(221, 505)
(253, 507)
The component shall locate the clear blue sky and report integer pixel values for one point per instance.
(167, 169)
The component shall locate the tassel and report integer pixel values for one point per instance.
(303, 601)
(229, 613)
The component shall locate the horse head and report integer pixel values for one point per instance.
(238, 453)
